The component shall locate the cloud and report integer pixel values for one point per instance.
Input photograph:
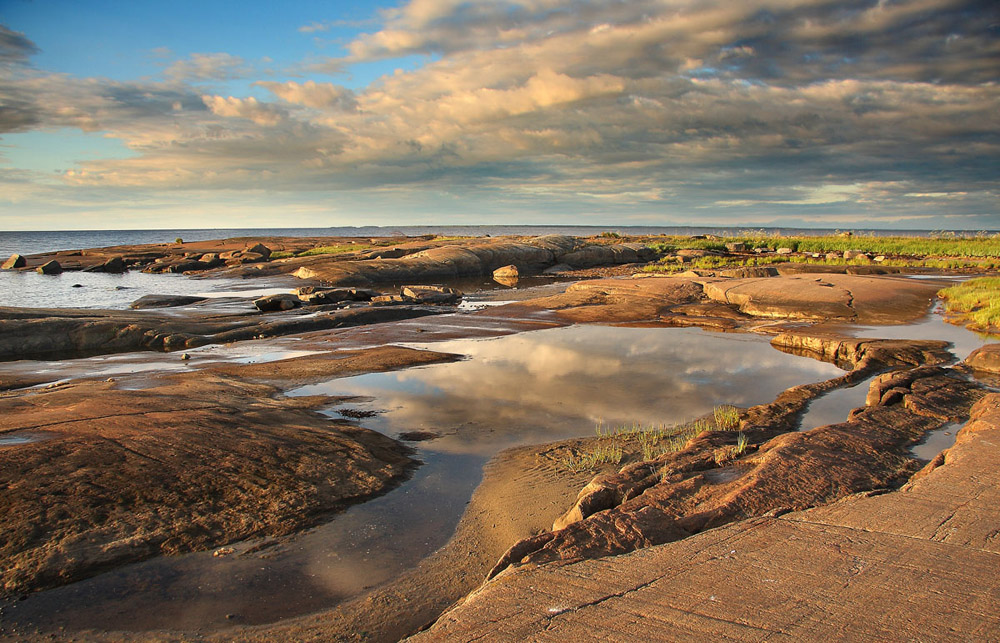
(312, 94)
(793, 109)
(213, 66)
(15, 47)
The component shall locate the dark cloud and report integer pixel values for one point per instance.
(14, 46)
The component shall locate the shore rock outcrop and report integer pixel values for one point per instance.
(682, 493)
(985, 358)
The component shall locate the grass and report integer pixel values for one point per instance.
(980, 251)
(334, 250)
(727, 418)
(648, 441)
(976, 300)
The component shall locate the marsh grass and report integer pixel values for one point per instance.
(977, 300)
(649, 442)
(980, 251)
(334, 250)
(727, 418)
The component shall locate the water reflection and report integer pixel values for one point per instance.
(521, 389)
(557, 383)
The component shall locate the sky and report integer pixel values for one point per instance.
(854, 114)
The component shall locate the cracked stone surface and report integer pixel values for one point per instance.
(109, 476)
(906, 565)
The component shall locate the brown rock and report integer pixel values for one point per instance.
(15, 261)
(507, 272)
(985, 358)
(279, 302)
(49, 268)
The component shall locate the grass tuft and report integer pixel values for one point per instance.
(976, 300)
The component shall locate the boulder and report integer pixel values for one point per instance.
(50, 268)
(15, 261)
(261, 250)
(832, 256)
(164, 301)
(273, 303)
(114, 265)
(316, 296)
(785, 251)
(853, 254)
(557, 269)
(211, 258)
(430, 294)
(986, 358)
(736, 247)
(388, 300)
(507, 272)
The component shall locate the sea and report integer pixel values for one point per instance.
(94, 290)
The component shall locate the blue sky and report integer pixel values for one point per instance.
(856, 113)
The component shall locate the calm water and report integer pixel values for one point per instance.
(36, 241)
(521, 389)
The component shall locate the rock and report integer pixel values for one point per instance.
(211, 258)
(785, 251)
(832, 256)
(164, 301)
(15, 261)
(736, 247)
(185, 357)
(507, 272)
(694, 253)
(853, 254)
(316, 296)
(114, 265)
(273, 303)
(388, 300)
(879, 259)
(985, 358)
(259, 249)
(431, 294)
(558, 268)
(77, 286)
(50, 268)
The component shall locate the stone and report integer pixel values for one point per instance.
(985, 358)
(274, 303)
(879, 259)
(853, 254)
(736, 247)
(316, 296)
(15, 261)
(164, 301)
(388, 300)
(114, 265)
(785, 251)
(261, 250)
(832, 256)
(507, 272)
(557, 269)
(431, 294)
(50, 268)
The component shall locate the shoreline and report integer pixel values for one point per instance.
(752, 303)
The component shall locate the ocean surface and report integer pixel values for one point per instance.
(37, 241)
(95, 290)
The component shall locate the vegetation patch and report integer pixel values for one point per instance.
(975, 302)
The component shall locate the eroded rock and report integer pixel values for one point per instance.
(15, 261)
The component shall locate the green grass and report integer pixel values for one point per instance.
(334, 250)
(727, 418)
(977, 300)
(282, 254)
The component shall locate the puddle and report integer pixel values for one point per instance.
(933, 326)
(23, 437)
(528, 388)
(833, 407)
(937, 441)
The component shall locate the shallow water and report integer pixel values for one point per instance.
(528, 388)
(834, 406)
(99, 290)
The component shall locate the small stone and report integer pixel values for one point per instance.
(785, 251)
(185, 356)
(224, 551)
(77, 286)
(507, 272)
(15, 261)
(49, 268)
(736, 247)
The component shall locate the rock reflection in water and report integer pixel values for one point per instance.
(559, 383)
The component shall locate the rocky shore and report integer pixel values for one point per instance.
(106, 471)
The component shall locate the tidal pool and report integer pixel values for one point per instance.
(528, 388)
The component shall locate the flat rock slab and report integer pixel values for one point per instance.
(199, 461)
(916, 563)
(881, 299)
